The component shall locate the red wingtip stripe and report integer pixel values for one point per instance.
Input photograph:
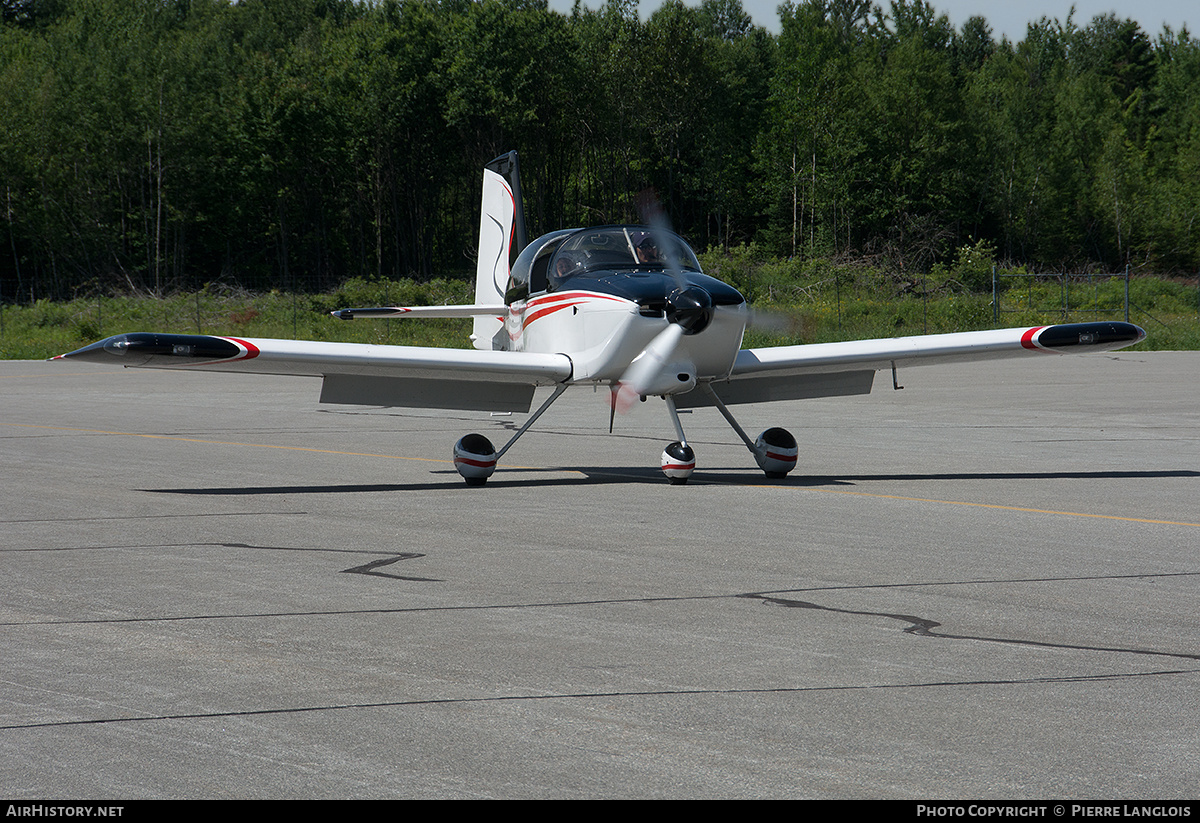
(251, 349)
(1027, 338)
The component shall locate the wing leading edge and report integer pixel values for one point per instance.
(419, 377)
(415, 377)
(836, 369)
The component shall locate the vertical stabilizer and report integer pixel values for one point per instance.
(501, 238)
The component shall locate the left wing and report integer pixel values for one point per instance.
(363, 374)
(835, 369)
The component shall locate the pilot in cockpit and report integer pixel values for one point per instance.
(564, 266)
(647, 251)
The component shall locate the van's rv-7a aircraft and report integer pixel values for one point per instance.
(623, 307)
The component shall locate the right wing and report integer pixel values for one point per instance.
(357, 373)
(837, 369)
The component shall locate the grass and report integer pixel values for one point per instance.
(828, 301)
(45, 328)
(810, 301)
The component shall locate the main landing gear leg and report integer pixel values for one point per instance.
(475, 458)
(678, 459)
(775, 451)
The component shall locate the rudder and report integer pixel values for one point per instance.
(501, 238)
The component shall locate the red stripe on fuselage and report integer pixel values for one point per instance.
(574, 295)
(543, 306)
(529, 318)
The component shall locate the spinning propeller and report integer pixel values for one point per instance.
(689, 310)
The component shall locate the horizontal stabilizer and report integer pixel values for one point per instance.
(386, 312)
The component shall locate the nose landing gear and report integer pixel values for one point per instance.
(775, 451)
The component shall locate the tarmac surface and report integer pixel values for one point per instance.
(986, 585)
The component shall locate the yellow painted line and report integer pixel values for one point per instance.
(226, 443)
(48, 374)
(702, 482)
(247, 445)
(1007, 508)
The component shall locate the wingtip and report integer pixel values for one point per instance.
(1084, 337)
(92, 351)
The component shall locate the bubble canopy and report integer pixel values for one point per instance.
(547, 261)
(613, 248)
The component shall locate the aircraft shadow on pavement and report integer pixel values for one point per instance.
(589, 476)
(502, 479)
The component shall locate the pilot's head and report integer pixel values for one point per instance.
(564, 265)
(647, 251)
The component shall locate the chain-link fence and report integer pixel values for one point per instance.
(1077, 294)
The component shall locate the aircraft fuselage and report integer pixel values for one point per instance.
(588, 294)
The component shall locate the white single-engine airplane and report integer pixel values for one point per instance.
(624, 307)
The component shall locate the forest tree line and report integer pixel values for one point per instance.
(153, 145)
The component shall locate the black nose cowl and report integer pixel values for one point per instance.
(691, 308)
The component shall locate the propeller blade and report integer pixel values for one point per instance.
(652, 214)
(689, 311)
(774, 322)
(646, 367)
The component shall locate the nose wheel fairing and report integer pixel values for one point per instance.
(678, 462)
(775, 450)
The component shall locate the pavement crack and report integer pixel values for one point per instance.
(581, 696)
(925, 627)
(917, 625)
(370, 568)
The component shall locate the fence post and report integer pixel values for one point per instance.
(837, 282)
(995, 299)
(1126, 292)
